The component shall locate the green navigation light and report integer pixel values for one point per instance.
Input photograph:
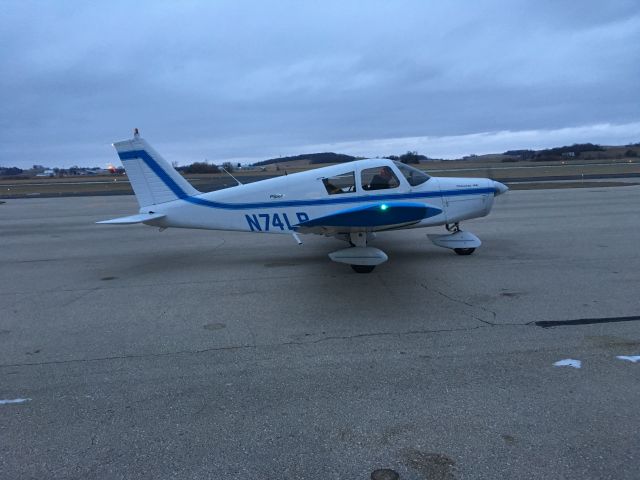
(383, 206)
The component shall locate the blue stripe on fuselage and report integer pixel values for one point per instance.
(330, 201)
(197, 200)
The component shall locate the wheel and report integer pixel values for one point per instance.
(464, 251)
(363, 268)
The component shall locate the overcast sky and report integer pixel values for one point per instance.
(254, 80)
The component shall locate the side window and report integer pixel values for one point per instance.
(343, 183)
(379, 178)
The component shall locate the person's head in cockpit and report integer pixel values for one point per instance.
(382, 179)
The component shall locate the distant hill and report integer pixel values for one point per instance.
(584, 151)
(578, 151)
(310, 158)
(330, 157)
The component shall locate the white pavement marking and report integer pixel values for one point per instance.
(568, 362)
(629, 358)
(15, 400)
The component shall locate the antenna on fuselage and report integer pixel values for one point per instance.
(225, 171)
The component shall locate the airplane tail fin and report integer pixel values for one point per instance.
(153, 179)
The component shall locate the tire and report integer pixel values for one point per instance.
(464, 251)
(363, 268)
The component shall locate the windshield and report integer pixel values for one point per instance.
(413, 175)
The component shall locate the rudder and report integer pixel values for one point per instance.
(152, 178)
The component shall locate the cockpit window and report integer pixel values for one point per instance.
(379, 178)
(342, 183)
(413, 175)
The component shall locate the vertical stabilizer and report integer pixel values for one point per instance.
(153, 179)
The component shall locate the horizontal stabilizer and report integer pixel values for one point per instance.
(140, 218)
(377, 214)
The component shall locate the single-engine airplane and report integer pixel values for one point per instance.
(349, 201)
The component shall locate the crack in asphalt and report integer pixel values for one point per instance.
(239, 347)
(80, 296)
(475, 317)
(154, 284)
(255, 345)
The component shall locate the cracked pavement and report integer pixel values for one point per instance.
(188, 354)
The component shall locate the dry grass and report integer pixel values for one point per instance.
(110, 185)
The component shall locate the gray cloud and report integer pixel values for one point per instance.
(247, 79)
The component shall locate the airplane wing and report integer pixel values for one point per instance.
(375, 216)
(140, 218)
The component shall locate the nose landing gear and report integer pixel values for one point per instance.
(452, 227)
(461, 242)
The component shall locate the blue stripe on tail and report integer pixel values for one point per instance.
(157, 169)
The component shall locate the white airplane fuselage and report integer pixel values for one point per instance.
(276, 205)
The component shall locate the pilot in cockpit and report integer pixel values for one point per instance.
(381, 180)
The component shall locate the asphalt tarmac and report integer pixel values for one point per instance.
(129, 353)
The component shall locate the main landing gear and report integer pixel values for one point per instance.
(461, 242)
(361, 258)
